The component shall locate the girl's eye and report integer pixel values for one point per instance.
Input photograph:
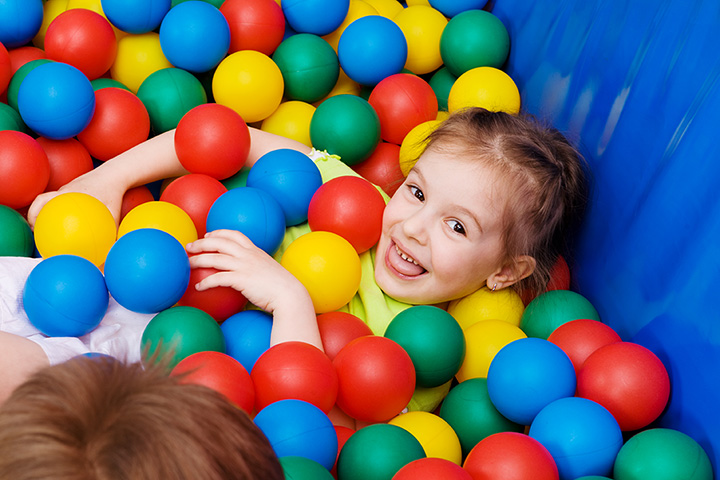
(417, 193)
(457, 227)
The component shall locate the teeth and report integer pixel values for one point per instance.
(405, 257)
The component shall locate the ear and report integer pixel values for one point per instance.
(513, 272)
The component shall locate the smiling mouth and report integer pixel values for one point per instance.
(402, 264)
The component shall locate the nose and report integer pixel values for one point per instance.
(415, 226)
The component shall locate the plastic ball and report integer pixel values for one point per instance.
(178, 332)
(163, 216)
(376, 379)
(434, 341)
(372, 48)
(17, 238)
(337, 329)
(432, 469)
(295, 370)
(357, 9)
(254, 25)
(474, 38)
(309, 67)
(662, 454)
(510, 456)
(23, 55)
(554, 308)
(56, 100)
(377, 451)
(51, 9)
(486, 87)
(386, 8)
(402, 102)
(68, 159)
(559, 280)
(346, 125)
(483, 341)
(484, 304)
(194, 36)
(436, 436)
(250, 83)
(327, 265)
(212, 139)
(137, 57)
(247, 336)
(251, 211)
(291, 178)
(220, 372)
(627, 379)
(219, 302)
(24, 169)
(298, 428)
(194, 193)
(100, 83)
(423, 27)
(136, 16)
(441, 83)
(76, 224)
(147, 270)
(382, 168)
(471, 414)
(65, 296)
(344, 85)
(16, 80)
(169, 94)
(134, 197)
(291, 120)
(414, 143)
(450, 8)
(83, 39)
(10, 119)
(301, 468)
(6, 71)
(20, 21)
(315, 16)
(580, 338)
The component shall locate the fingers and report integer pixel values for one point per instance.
(230, 242)
(37, 205)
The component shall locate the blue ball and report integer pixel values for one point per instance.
(291, 178)
(450, 8)
(252, 212)
(65, 296)
(195, 36)
(56, 100)
(20, 21)
(582, 436)
(300, 429)
(528, 374)
(147, 270)
(315, 16)
(247, 336)
(372, 48)
(136, 16)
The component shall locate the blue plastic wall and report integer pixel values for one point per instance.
(635, 84)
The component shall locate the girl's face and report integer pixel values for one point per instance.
(442, 231)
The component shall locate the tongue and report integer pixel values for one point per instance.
(403, 266)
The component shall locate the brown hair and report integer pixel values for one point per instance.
(98, 418)
(546, 175)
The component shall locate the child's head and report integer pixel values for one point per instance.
(489, 202)
(102, 419)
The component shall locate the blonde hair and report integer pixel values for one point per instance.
(102, 419)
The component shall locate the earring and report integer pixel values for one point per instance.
(494, 286)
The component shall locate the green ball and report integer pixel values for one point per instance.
(10, 119)
(469, 411)
(345, 125)
(168, 94)
(377, 451)
(474, 38)
(662, 454)
(16, 239)
(554, 308)
(301, 468)
(178, 332)
(441, 83)
(434, 341)
(309, 67)
(593, 477)
(237, 180)
(215, 3)
(99, 83)
(14, 86)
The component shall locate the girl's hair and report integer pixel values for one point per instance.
(545, 174)
(98, 418)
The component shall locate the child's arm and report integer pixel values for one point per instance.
(20, 358)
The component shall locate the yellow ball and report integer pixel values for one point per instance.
(386, 8)
(250, 83)
(291, 120)
(94, 5)
(485, 87)
(327, 265)
(484, 304)
(344, 85)
(422, 26)
(413, 145)
(436, 436)
(138, 56)
(51, 9)
(442, 115)
(357, 9)
(414, 3)
(164, 216)
(483, 341)
(75, 224)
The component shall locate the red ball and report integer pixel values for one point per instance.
(559, 280)
(83, 39)
(134, 197)
(343, 433)
(68, 159)
(432, 468)
(376, 379)
(254, 25)
(382, 167)
(219, 372)
(337, 329)
(580, 338)
(219, 302)
(627, 379)
(6, 71)
(212, 139)
(295, 370)
(22, 55)
(194, 193)
(350, 207)
(510, 456)
(402, 102)
(24, 169)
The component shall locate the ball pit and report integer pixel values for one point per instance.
(68, 159)
(309, 67)
(474, 38)
(485, 87)
(24, 169)
(337, 329)
(319, 17)
(432, 468)
(134, 197)
(485, 304)
(137, 57)
(382, 167)
(441, 82)
(194, 194)
(580, 338)
(450, 8)
(163, 216)
(413, 145)
(20, 20)
(483, 341)
(291, 120)
(247, 336)
(423, 27)
(301, 468)
(554, 308)
(218, 302)
(17, 238)
(435, 435)
(5, 68)
(510, 456)
(357, 9)
(18, 76)
(136, 16)
(10, 119)
(254, 25)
